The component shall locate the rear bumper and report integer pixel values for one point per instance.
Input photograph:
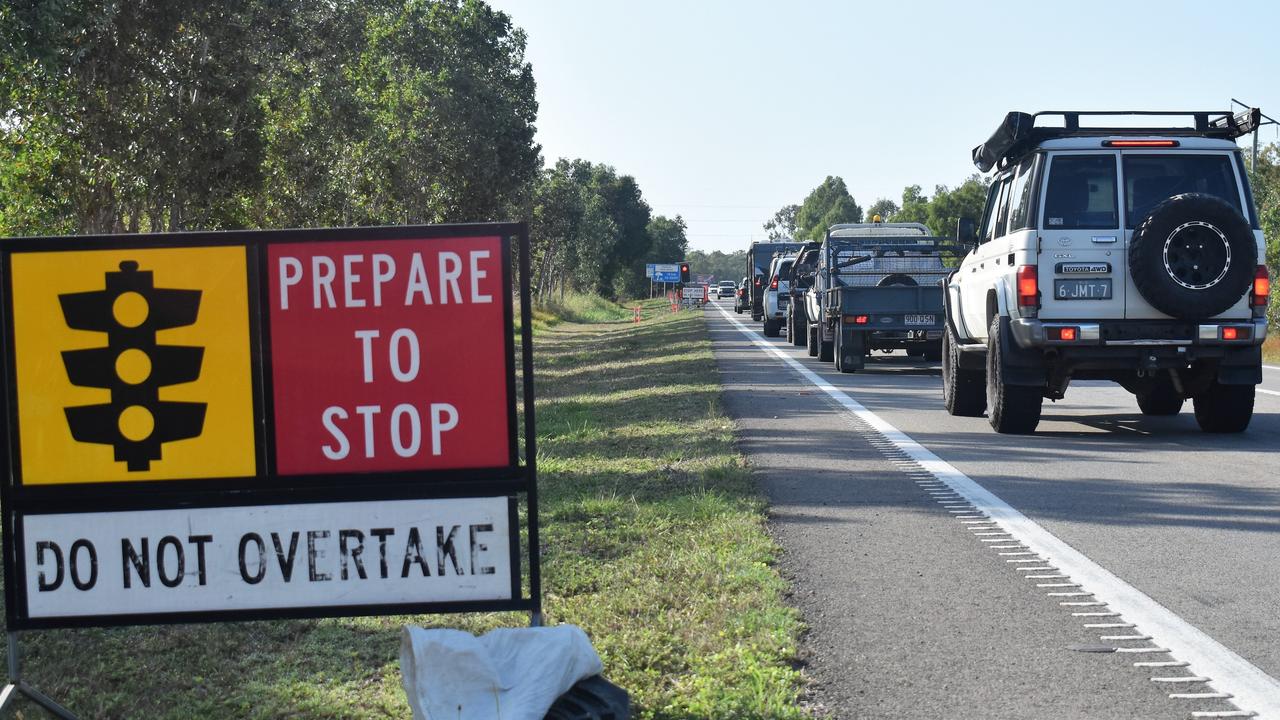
(1032, 333)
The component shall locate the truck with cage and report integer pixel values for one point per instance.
(877, 286)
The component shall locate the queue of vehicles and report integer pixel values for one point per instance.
(1128, 254)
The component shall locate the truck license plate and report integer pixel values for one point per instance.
(921, 319)
(1082, 289)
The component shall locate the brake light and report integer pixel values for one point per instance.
(1028, 287)
(773, 284)
(1229, 333)
(757, 282)
(1261, 286)
(1139, 143)
(1068, 334)
(860, 319)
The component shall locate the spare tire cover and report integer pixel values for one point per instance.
(1193, 257)
(896, 279)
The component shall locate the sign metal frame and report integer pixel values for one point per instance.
(517, 477)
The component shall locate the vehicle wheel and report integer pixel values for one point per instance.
(771, 328)
(826, 349)
(964, 392)
(801, 322)
(791, 328)
(811, 340)
(838, 351)
(1163, 399)
(1224, 408)
(1013, 409)
(1193, 256)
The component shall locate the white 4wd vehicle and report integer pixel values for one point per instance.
(777, 294)
(1124, 254)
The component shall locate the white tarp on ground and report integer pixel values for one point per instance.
(506, 674)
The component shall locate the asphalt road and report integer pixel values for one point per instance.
(912, 613)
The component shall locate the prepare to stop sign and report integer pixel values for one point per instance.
(388, 355)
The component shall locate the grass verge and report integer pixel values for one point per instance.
(653, 542)
(1271, 350)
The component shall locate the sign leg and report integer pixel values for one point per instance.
(17, 686)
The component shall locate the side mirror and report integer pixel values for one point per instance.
(966, 231)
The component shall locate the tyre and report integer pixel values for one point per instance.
(964, 392)
(791, 328)
(1193, 257)
(1012, 409)
(756, 318)
(811, 335)
(1224, 408)
(826, 349)
(1161, 399)
(801, 322)
(771, 328)
(838, 351)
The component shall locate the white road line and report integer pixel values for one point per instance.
(1268, 392)
(1251, 687)
(1272, 367)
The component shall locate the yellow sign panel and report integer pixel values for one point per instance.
(133, 365)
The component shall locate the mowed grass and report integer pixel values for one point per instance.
(653, 542)
(1271, 348)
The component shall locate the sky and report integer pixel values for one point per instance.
(725, 111)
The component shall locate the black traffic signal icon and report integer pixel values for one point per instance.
(684, 272)
(132, 366)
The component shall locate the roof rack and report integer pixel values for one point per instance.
(1018, 134)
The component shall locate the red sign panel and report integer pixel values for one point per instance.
(389, 355)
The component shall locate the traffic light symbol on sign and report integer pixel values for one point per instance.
(684, 272)
(130, 310)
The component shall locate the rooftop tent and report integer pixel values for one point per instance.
(1015, 129)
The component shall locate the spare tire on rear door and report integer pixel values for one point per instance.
(1193, 257)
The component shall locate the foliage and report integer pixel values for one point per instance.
(783, 224)
(719, 265)
(884, 207)
(948, 206)
(181, 114)
(915, 206)
(591, 231)
(826, 205)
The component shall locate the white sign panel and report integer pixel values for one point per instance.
(697, 292)
(273, 556)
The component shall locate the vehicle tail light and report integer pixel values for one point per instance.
(757, 282)
(1028, 287)
(1261, 286)
(773, 284)
(1067, 334)
(860, 319)
(1229, 333)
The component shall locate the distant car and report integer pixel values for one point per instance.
(742, 300)
(726, 288)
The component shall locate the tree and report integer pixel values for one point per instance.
(915, 206)
(719, 265)
(667, 240)
(883, 207)
(948, 206)
(183, 114)
(783, 224)
(826, 205)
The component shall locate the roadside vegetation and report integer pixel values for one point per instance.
(653, 539)
(1271, 349)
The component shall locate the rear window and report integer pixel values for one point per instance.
(1152, 179)
(1082, 193)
